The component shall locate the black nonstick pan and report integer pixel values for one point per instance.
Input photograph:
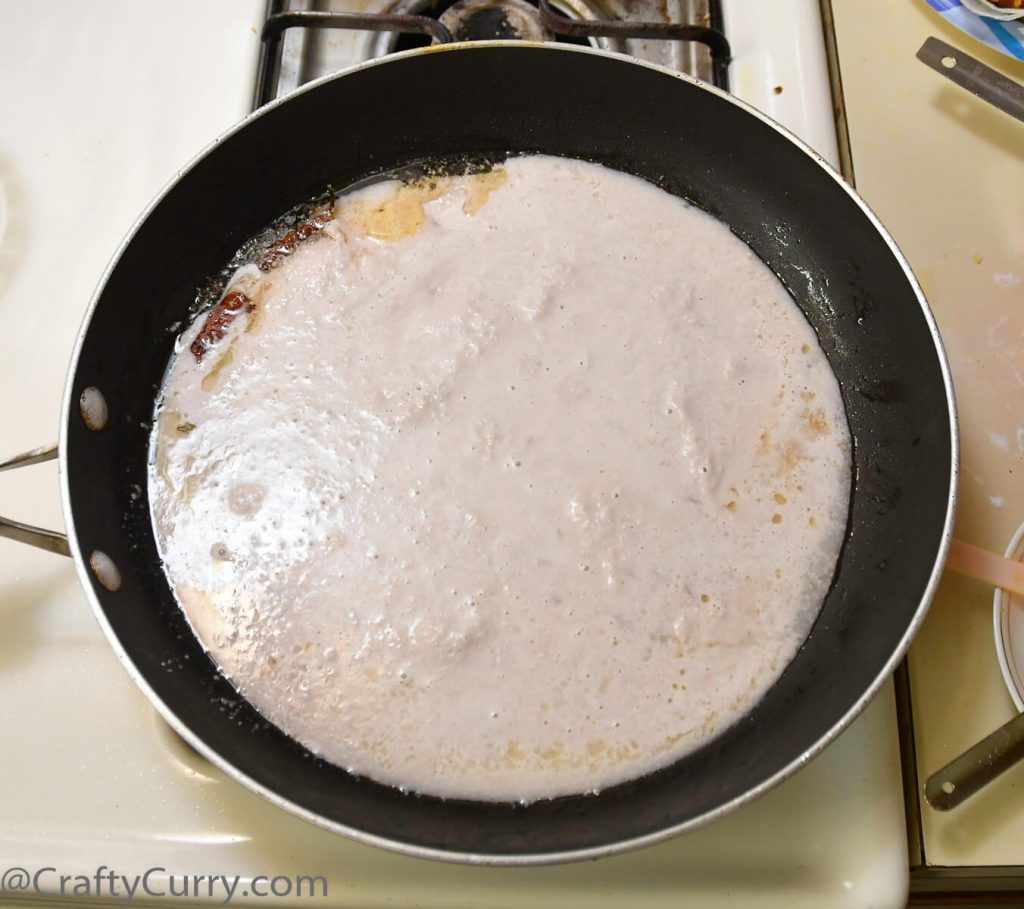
(490, 100)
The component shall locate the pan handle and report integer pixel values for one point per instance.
(977, 767)
(49, 540)
(975, 76)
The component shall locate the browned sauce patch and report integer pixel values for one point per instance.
(401, 214)
(480, 187)
(792, 455)
(210, 379)
(815, 422)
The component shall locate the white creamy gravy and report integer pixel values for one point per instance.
(508, 486)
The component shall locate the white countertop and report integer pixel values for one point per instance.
(88, 774)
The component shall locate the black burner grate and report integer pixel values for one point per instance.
(279, 20)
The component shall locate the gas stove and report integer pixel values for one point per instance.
(768, 52)
(312, 45)
(92, 777)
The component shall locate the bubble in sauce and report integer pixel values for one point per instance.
(245, 499)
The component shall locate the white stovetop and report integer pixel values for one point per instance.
(101, 105)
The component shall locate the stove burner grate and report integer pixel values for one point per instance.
(479, 20)
(507, 18)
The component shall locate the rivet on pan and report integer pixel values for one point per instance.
(94, 408)
(105, 570)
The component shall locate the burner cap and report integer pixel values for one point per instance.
(480, 20)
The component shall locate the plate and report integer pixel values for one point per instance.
(1008, 616)
(1005, 36)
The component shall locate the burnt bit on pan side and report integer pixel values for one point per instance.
(217, 322)
(261, 246)
(287, 244)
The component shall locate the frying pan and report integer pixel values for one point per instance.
(840, 266)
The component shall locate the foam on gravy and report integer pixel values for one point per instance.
(503, 486)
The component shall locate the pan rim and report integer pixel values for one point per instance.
(68, 408)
